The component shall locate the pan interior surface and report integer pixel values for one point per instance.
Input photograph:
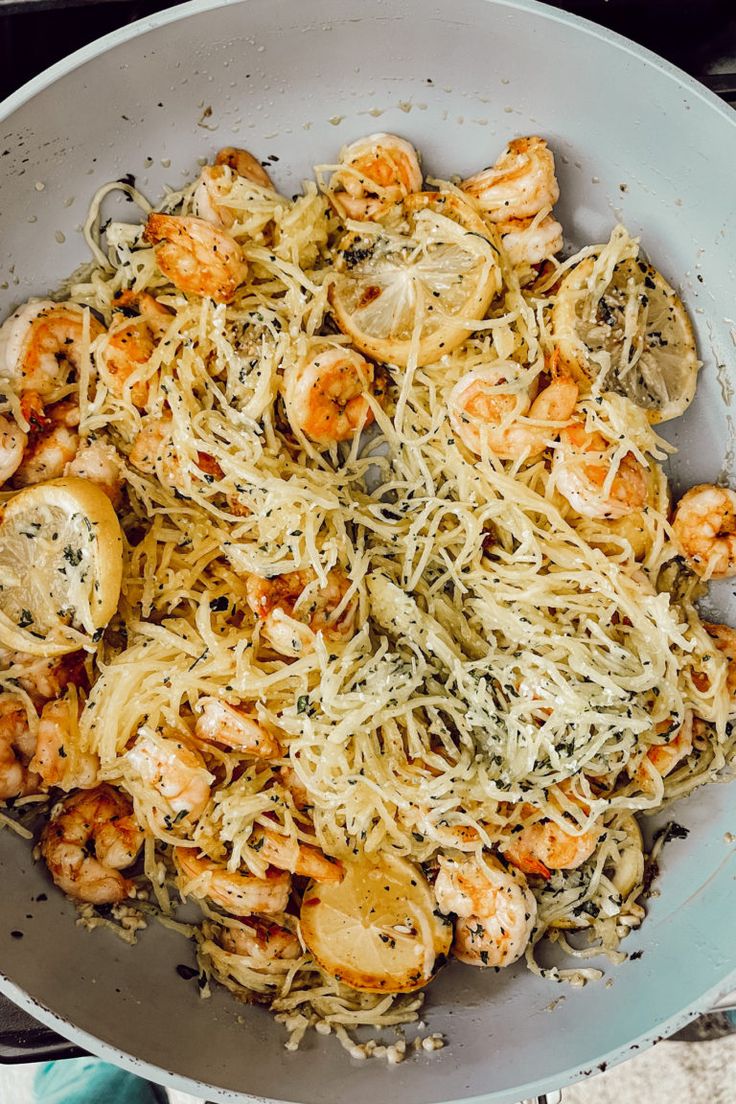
(294, 81)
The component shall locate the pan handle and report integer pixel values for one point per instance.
(23, 1039)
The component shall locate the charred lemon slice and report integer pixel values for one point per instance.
(377, 929)
(634, 334)
(413, 291)
(60, 566)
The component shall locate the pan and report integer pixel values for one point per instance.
(635, 140)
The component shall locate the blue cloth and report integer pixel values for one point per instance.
(89, 1081)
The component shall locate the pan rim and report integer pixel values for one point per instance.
(519, 1095)
(179, 12)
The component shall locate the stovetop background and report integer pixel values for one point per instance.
(698, 35)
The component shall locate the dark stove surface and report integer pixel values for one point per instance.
(697, 35)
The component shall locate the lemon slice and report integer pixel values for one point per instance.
(60, 566)
(422, 283)
(638, 335)
(376, 930)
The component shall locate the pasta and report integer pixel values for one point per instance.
(402, 596)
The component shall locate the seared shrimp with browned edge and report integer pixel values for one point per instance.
(198, 258)
(326, 397)
(508, 423)
(374, 174)
(495, 909)
(293, 608)
(90, 839)
(704, 527)
(215, 184)
(43, 345)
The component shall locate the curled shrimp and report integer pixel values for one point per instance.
(198, 258)
(262, 941)
(494, 906)
(545, 846)
(99, 463)
(704, 528)
(326, 396)
(43, 679)
(236, 892)
(17, 745)
(663, 758)
(725, 641)
(293, 609)
(375, 173)
(484, 416)
(43, 344)
(530, 241)
(219, 722)
(52, 445)
(520, 184)
(153, 451)
(175, 771)
(242, 162)
(92, 836)
(215, 182)
(139, 322)
(288, 853)
(291, 781)
(582, 474)
(13, 443)
(59, 760)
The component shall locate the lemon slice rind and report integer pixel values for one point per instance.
(61, 551)
(663, 379)
(377, 930)
(416, 292)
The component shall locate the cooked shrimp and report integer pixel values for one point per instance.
(528, 241)
(663, 758)
(100, 464)
(262, 940)
(294, 609)
(175, 770)
(43, 679)
(290, 854)
(244, 164)
(222, 723)
(198, 258)
(495, 909)
(13, 442)
(293, 783)
(546, 846)
(139, 323)
(50, 447)
(215, 182)
(503, 421)
(725, 638)
(238, 893)
(90, 838)
(42, 344)
(326, 396)
(375, 173)
(582, 474)
(704, 527)
(153, 451)
(59, 760)
(520, 184)
(17, 745)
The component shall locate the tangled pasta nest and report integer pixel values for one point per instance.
(389, 633)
